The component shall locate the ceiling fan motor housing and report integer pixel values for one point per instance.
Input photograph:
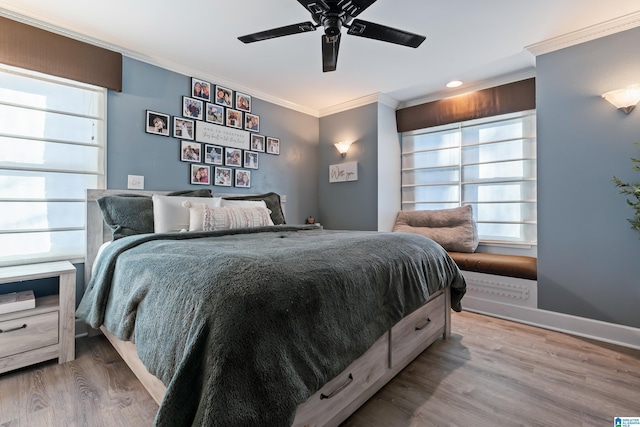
(332, 23)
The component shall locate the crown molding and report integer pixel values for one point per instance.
(484, 84)
(154, 60)
(593, 32)
(359, 102)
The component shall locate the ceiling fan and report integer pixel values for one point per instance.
(333, 15)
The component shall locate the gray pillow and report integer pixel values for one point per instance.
(454, 229)
(273, 204)
(129, 214)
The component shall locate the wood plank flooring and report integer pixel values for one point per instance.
(490, 373)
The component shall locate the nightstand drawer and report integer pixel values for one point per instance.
(28, 333)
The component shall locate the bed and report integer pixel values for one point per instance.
(272, 325)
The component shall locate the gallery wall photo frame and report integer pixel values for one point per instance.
(243, 102)
(223, 177)
(243, 178)
(192, 108)
(183, 128)
(190, 151)
(223, 96)
(200, 89)
(250, 160)
(200, 174)
(232, 157)
(234, 118)
(273, 145)
(214, 114)
(213, 154)
(257, 142)
(157, 123)
(251, 122)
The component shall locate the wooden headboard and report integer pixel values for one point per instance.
(98, 232)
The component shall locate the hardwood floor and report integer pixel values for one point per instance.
(490, 373)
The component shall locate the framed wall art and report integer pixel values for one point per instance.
(190, 151)
(157, 123)
(243, 102)
(273, 145)
(182, 128)
(234, 118)
(224, 96)
(200, 174)
(213, 154)
(223, 177)
(233, 157)
(214, 114)
(257, 143)
(200, 89)
(250, 160)
(243, 178)
(251, 122)
(192, 108)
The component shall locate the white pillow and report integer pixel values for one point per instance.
(207, 218)
(244, 203)
(169, 215)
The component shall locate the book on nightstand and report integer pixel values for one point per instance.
(16, 301)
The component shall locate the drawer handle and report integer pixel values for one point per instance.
(338, 390)
(13, 329)
(424, 325)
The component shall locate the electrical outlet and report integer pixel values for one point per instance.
(135, 182)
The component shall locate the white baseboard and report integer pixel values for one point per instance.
(82, 328)
(587, 328)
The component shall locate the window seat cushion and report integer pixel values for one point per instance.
(523, 267)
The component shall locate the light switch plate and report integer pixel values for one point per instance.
(135, 182)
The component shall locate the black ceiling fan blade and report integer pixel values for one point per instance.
(383, 33)
(330, 46)
(355, 7)
(288, 30)
(316, 7)
(352, 7)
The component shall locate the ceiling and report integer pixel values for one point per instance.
(469, 40)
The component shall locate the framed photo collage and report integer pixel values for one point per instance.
(212, 164)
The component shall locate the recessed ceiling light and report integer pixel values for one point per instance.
(454, 83)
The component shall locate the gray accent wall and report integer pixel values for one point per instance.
(351, 205)
(587, 254)
(131, 151)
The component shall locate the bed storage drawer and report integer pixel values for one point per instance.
(413, 334)
(27, 333)
(333, 403)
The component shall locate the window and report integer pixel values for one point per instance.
(52, 144)
(488, 163)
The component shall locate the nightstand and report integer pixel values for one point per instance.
(46, 331)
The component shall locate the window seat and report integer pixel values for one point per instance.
(522, 267)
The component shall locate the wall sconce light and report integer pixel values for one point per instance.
(624, 99)
(342, 147)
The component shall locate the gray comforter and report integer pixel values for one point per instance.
(244, 325)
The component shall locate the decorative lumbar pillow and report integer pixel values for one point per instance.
(203, 217)
(454, 229)
(170, 216)
(272, 201)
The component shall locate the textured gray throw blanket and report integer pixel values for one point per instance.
(244, 325)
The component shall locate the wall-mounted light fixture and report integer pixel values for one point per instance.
(342, 147)
(624, 99)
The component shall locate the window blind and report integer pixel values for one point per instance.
(488, 163)
(52, 145)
